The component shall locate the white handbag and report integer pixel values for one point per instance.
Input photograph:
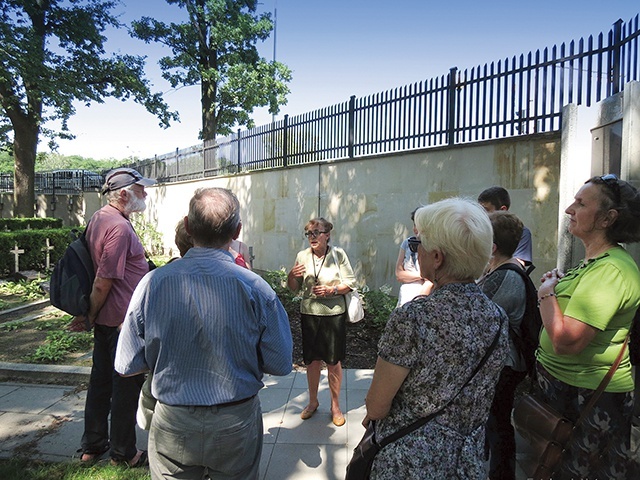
(354, 306)
(354, 302)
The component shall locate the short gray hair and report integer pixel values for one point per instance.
(214, 217)
(113, 196)
(461, 230)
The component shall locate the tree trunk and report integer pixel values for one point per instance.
(25, 145)
(209, 126)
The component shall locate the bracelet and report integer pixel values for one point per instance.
(335, 290)
(545, 296)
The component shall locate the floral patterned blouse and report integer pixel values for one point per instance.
(441, 338)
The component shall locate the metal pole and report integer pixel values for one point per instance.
(285, 141)
(239, 157)
(451, 106)
(351, 126)
(275, 37)
(614, 71)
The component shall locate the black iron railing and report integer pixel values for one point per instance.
(63, 182)
(515, 96)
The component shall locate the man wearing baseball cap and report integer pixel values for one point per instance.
(119, 262)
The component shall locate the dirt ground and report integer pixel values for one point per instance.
(17, 343)
(362, 341)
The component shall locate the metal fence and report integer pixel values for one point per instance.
(63, 182)
(514, 96)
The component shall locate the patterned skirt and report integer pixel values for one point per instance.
(599, 447)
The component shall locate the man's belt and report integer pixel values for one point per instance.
(235, 402)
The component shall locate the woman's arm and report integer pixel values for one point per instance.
(402, 275)
(294, 278)
(568, 335)
(244, 251)
(387, 379)
(426, 288)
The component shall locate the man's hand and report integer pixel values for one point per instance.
(81, 323)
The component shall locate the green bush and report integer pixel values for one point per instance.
(277, 279)
(26, 291)
(33, 243)
(378, 304)
(149, 236)
(13, 224)
(59, 344)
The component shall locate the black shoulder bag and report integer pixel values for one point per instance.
(359, 467)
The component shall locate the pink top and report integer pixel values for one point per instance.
(118, 255)
(241, 261)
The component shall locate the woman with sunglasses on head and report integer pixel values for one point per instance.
(324, 275)
(587, 313)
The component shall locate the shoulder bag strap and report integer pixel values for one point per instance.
(603, 384)
(418, 423)
(335, 260)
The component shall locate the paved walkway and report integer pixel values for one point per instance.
(45, 422)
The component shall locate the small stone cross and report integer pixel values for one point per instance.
(47, 251)
(16, 253)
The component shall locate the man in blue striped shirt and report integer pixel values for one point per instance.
(208, 329)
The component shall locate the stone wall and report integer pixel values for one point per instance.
(369, 200)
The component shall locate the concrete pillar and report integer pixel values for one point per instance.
(575, 169)
(630, 164)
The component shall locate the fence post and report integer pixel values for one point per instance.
(451, 105)
(202, 155)
(177, 165)
(285, 141)
(352, 121)
(615, 55)
(239, 155)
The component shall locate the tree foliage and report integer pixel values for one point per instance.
(216, 48)
(52, 53)
(47, 161)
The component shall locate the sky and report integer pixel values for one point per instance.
(335, 49)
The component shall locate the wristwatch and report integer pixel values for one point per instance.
(335, 289)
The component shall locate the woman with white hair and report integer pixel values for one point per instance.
(441, 354)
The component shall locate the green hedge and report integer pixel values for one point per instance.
(14, 224)
(33, 243)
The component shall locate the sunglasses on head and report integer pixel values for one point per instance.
(611, 181)
(313, 233)
(413, 244)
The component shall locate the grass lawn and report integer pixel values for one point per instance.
(21, 469)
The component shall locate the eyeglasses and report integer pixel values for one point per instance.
(313, 233)
(611, 181)
(413, 244)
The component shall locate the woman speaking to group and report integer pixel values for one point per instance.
(324, 275)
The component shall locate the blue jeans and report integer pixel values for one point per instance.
(109, 393)
(191, 442)
(500, 433)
